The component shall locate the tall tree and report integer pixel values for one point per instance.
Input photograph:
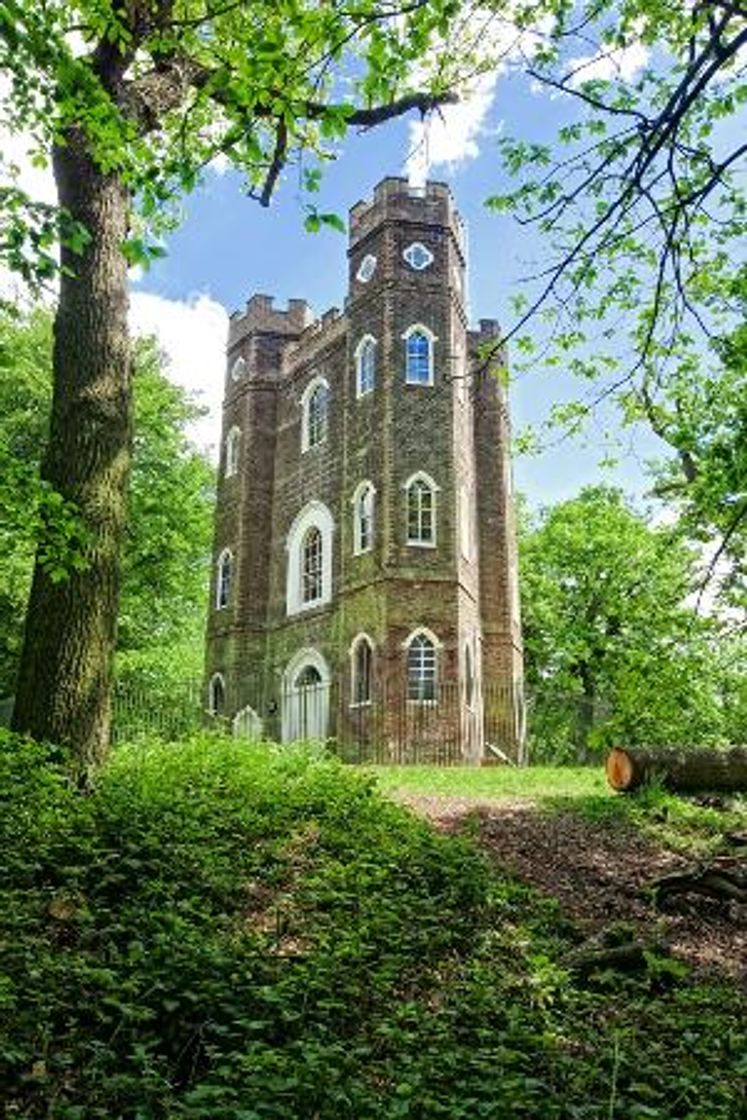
(167, 544)
(130, 99)
(640, 211)
(612, 649)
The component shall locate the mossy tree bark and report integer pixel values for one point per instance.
(64, 683)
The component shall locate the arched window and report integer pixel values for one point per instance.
(238, 369)
(217, 695)
(309, 546)
(419, 355)
(233, 447)
(422, 666)
(224, 579)
(363, 517)
(312, 563)
(361, 653)
(421, 510)
(365, 365)
(314, 413)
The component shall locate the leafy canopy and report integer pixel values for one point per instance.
(160, 88)
(167, 547)
(613, 650)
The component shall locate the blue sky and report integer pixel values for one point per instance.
(228, 247)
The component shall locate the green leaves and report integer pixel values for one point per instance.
(612, 648)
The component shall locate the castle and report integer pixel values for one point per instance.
(365, 581)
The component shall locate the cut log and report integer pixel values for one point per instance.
(680, 769)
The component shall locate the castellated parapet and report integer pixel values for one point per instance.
(260, 316)
(365, 584)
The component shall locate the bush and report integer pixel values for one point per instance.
(237, 932)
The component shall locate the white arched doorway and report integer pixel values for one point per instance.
(305, 710)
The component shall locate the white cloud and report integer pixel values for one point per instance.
(452, 135)
(192, 334)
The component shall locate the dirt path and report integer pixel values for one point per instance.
(598, 872)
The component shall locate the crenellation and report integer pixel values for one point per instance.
(260, 316)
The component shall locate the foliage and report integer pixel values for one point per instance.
(159, 90)
(639, 290)
(168, 543)
(611, 650)
(239, 932)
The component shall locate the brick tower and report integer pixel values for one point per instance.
(365, 578)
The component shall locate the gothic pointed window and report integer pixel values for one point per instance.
(309, 567)
(216, 695)
(224, 579)
(312, 562)
(362, 671)
(366, 269)
(419, 355)
(422, 666)
(363, 518)
(315, 414)
(421, 510)
(233, 446)
(365, 366)
(238, 369)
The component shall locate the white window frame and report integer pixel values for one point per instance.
(417, 542)
(355, 645)
(315, 573)
(366, 268)
(366, 344)
(226, 556)
(232, 452)
(420, 328)
(238, 369)
(314, 515)
(428, 635)
(315, 384)
(364, 492)
(217, 678)
(417, 247)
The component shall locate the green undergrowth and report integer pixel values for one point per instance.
(234, 932)
(692, 825)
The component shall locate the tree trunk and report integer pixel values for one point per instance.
(64, 683)
(584, 715)
(704, 768)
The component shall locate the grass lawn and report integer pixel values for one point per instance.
(228, 931)
(496, 781)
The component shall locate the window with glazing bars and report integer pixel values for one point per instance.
(364, 520)
(418, 359)
(311, 566)
(366, 366)
(421, 669)
(316, 419)
(362, 672)
(420, 521)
